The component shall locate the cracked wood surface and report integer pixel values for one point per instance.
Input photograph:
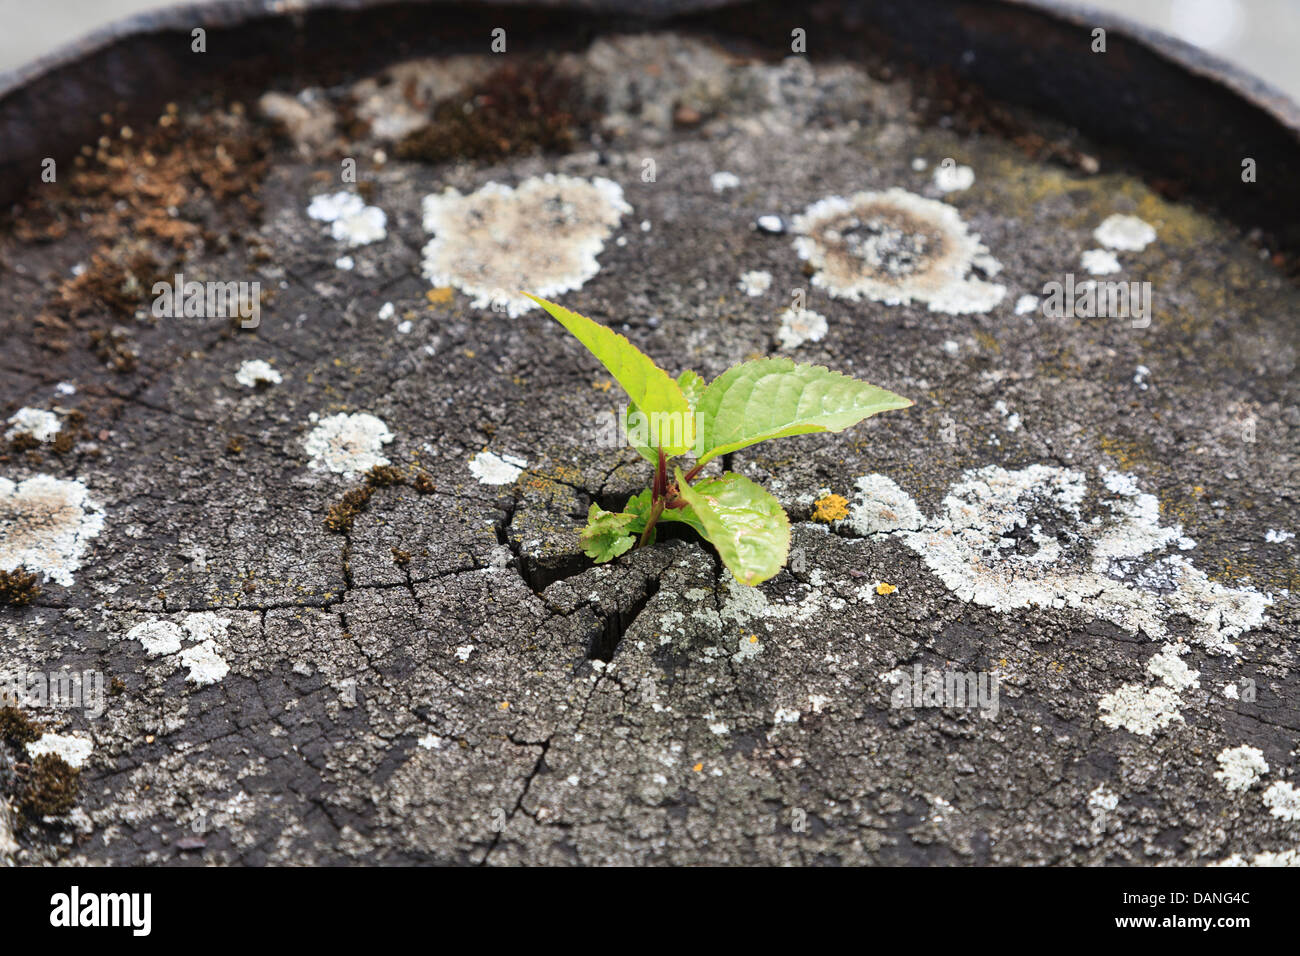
(456, 709)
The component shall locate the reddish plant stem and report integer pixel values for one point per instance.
(655, 511)
(658, 496)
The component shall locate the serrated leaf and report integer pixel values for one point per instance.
(774, 398)
(609, 534)
(745, 523)
(650, 389)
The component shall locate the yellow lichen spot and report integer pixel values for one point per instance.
(698, 767)
(504, 705)
(470, 353)
(831, 508)
(440, 295)
(884, 588)
(604, 386)
(753, 638)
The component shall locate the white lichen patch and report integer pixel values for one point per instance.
(1283, 801)
(1026, 304)
(799, 326)
(1013, 539)
(542, 236)
(46, 524)
(492, 469)
(881, 507)
(1266, 858)
(1140, 710)
(347, 444)
(754, 282)
(37, 423)
(1277, 536)
(1172, 670)
(1010, 419)
(72, 748)
(1099, 262)
(786, 715)
(951, 178)
(1017, 539)
(748, 647)
(1125, 233)
(205, 663)
(896, 247)
(721, 181)
(206, 626)
(1240, 768)
(158, 638)
(206, 632)
(351, 220)
(254, 372)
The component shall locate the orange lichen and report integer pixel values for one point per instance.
(830, 508)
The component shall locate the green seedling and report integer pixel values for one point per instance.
(668, 418)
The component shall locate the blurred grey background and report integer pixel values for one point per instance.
(1262, 36)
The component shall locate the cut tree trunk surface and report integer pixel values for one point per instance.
(1086, 521)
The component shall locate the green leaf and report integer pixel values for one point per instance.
(692, 386)
(650, 389)
(745, 523)
(609, 534)
(773, 398)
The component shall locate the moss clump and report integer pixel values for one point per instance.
(113, 347)
(831, 508)
(518, 108)
(24, 441)
(345, 511)
(342, 513)
(16, 728)
(384, 476)
(50, 788)
(401, 558)
(18, 587)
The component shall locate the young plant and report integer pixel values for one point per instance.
(747, 404)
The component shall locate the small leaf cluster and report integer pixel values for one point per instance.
(749, 403)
